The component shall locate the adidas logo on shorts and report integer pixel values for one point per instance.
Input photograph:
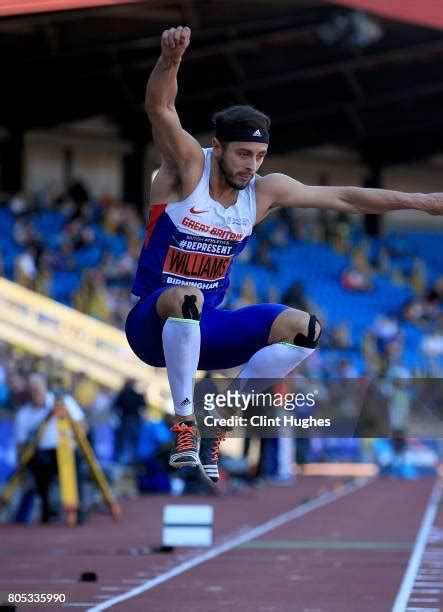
(185, 402)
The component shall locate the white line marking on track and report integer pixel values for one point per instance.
(112, 588)
(434, 578)
(432, 563)
(38, 581)
(404, 592)
(235, 541)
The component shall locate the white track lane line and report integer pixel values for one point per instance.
(404, 592)
(248, 535)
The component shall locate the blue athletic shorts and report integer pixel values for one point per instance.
(229, 338)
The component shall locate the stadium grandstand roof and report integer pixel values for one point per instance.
(325, 72)
(425, 12)
(12, 7)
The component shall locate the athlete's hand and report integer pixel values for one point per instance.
(174, 43)
(433, 204)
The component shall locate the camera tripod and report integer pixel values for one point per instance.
(67, 429)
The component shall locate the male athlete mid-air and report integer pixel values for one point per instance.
(204, 205)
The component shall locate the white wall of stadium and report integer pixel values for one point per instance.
(88, 151)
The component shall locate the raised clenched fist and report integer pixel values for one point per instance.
(174, 42)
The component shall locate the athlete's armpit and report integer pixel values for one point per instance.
(167, 184)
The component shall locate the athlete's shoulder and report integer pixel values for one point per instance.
(274, 190)
(268, 186)
(273, 184)
(272, 180)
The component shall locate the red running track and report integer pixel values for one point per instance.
(349, 554)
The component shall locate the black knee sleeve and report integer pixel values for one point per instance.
(309, 341)
(189, 308)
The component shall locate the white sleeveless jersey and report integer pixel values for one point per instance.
(194, 241)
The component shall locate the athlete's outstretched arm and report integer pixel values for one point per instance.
(176, 145)
(283, 191)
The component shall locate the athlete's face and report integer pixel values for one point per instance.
(239, 161)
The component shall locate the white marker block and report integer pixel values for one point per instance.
(187, 525)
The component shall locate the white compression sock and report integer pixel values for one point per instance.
(268, 365)
(275, 361)
(181, 346)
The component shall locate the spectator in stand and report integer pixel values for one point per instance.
(263, 256)
(101, 408)
(128, 405)
(432, 347)
(43, 282)
(84, 390)
(24, 234)
(340, 336)
(67, 248)
(358, 277)
(133, 229)
(118, 271)
(19, 205)
(248, 294)
(26, 268)
(295, 297)
(153, 449)
(280, 234)
(413, 311)
(4, 389)
(100, 303)
(18, 389)
(97, 303)
(114, 217)
(398, 393)
(427, 308)
(356, 280)
(118, 306)
(383, 343)
(63, 258)
(49, 197)
(78, 193)
(433, 305)
(78, 235)
(342, 231)
(438, 289)
(385, 331)
(345, 369)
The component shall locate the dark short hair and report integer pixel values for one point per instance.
(243, 115)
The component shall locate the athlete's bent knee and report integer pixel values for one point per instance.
(310, 340)
(190, 308)
(186, 302)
